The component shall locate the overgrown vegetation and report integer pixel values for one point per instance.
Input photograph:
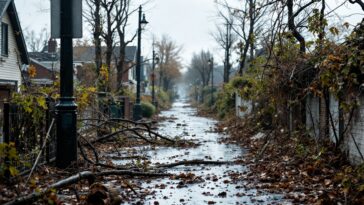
(299, 58)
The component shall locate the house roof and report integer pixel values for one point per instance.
(9, 7)
(44, 56)
(87, 53)
(47, 66)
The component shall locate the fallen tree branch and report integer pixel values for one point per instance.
(118, 121)
(261, 152)
(192, 162)
(30, 198)
(96, 154)
(157, 135)
(158, 166)
(108, 136)
(139, 126)
(132, 173)
(135, 131)
(267, 142)
(144, 124)
(83, 154)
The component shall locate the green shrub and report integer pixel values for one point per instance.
(127, 92)
(164, 100)
(148, 109)
(238, 82)
(225, 104)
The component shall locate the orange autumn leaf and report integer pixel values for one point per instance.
(32, 71)
(104, 72)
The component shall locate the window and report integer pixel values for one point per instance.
(4, 39)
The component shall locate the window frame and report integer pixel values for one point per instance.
(4, 39)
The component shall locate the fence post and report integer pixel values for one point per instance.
(6, 130)
(131, 111)
(13, 120)
(47, 123)
(122, 107)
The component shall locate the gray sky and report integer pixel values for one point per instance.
(188, 22)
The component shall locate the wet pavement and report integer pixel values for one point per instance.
(199, 184)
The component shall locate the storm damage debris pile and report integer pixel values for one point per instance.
(95, 178)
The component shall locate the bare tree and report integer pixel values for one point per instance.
(36, 41)
(249, 26)
(200, 66)
(225, 38)
(169, 65)
(109, 19)
(122, 10)
(110, 26)
(93, 17)
(360, 2)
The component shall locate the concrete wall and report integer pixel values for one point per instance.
(313, 115)
(242, 107)
(334, 119)
(354, 137)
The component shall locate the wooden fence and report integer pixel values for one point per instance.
(28, 136)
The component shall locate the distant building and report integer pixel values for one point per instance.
(46, 63)
(45, 74)
(49, 56)
(86, 55)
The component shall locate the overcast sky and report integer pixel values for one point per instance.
(188, 22)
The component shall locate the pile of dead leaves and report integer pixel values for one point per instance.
(308, 172)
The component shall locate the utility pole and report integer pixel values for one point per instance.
(66, 108)
(153, 78)
(211, 63)
(212, 80)
(155, 60)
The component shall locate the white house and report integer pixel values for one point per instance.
(13, 51)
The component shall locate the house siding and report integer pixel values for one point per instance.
(10, 65)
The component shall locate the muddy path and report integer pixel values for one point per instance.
(197, 184)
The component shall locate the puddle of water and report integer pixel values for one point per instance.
(214, 183)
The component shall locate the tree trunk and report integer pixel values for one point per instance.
(109, 42)
(227, 53)
(249, 40)
(97, 36)
(293, 29)
(121, 67)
